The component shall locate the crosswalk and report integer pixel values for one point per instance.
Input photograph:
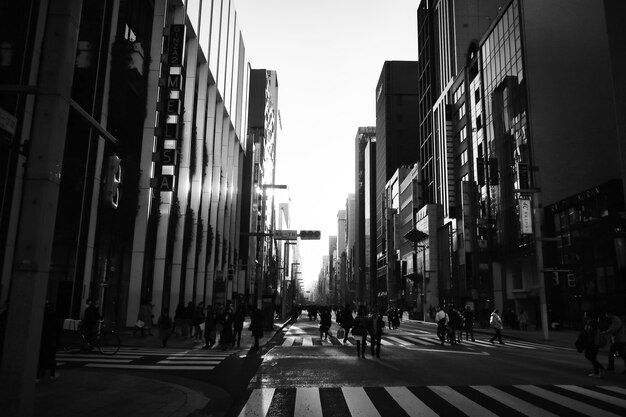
(146, 359)
(411, 340)
(475, 400)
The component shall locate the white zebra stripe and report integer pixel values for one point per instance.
(513, 402)
(398, 340)
(258, 403)
(307, 341)
(614, 389)
(412, 405)
(461, 402)
(151, 367)
(589, 393)
(358, 402)
(565, 401)
(288, 341)
(308, 402)
(189, 362)
(98, 359)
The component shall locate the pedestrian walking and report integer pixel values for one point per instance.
(590, 341)
(376, 327)
(187, 320)
(325, 323)
(346, 321)
(256, 326)
(617, 335)
(496, 323)
(210, 323)
(442, 319)
(50, 336)
(178, 319)
(197, 320)
(468, 322)
(359, 331)
(91, 316)
(522, 319)
(238, 319)
(144, 318)
(164, 324)
(455, 327)
(226, 334)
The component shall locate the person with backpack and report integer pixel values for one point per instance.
(376, 326)
(468, 320)
(442, 319)
(590, 341)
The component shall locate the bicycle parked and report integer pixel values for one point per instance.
(107, 341)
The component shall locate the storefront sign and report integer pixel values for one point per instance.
(525, 216)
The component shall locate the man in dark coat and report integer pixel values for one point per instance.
(256, 326)
(50, 336)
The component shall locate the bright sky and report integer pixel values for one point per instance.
(328, 55)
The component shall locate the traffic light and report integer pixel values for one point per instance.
(310, 234)
(113, 181)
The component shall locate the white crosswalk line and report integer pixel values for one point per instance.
(151, 367)
(614, 389)
(589, 393)
(308, 402)
(98, 359)
(358, 402)
(418, 341)
(288, 341)
(461, 402)
(513, 402)
(383, 341)
(258, 403)
(565, 401)
(412, 405)
(398, 340)
(307, 341)
(190, 362)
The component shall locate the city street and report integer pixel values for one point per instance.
(303, 375)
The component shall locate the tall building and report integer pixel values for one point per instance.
(396, 145)
(365, 201)
(342, 283)
(539, 206)
(351, 236)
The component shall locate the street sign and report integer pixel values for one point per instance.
(285, 234)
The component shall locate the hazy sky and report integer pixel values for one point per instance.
(328, 55)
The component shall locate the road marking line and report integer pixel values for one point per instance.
(512, 401)
(104, 360)
(461, 402)
(565, 401)
(400, 341)
(152, 367)
(258, 403)
(288, 341)
(614, 389)
(307, 341)
(308, 402)
(358, 402)
(190, 362)
(412, 405)
(589, 393)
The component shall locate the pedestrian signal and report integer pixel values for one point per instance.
(310, 234)
(113, 181)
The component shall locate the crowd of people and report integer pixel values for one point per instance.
(222, 324)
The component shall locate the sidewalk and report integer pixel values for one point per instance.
(98, 393)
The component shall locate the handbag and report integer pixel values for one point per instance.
(341, 333)
(140, 324)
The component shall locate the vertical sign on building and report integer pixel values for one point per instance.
(525, 216)
(170, 108)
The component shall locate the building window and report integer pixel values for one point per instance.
(462, 135)
(477, 96)
(464, 157)
(479, 122)
(461, 112)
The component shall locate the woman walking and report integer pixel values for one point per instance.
(496, 322)
(165, 326)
